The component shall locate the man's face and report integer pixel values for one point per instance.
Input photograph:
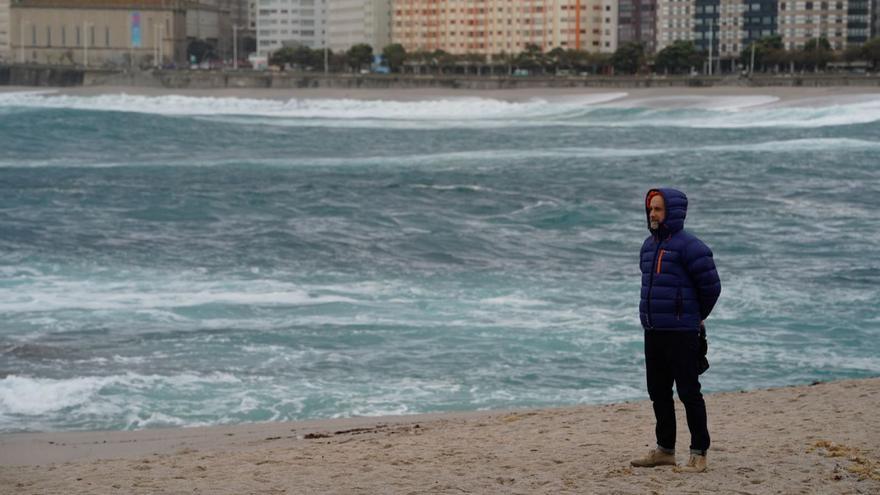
(656, 211)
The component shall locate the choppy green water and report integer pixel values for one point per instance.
(183, 261)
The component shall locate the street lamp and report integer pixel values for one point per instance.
(85, 39)
(158, 32)
(21, 40)
(235, 46)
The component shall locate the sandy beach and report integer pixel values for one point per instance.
(822, 438)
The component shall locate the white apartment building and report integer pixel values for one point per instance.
(350, 22)
(5, 32)
(289, 23)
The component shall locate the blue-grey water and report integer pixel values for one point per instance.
(189, 261)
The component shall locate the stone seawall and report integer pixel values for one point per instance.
(58, 76)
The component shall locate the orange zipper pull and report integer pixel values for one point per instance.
(660, 260)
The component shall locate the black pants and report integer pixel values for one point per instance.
(672, 356)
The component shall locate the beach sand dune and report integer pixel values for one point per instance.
(823, 438)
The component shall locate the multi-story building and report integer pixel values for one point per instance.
(99, 32)
(504, 26)
(289, 23)
(859, 16)
(875, 18)
(350, 22)
(675, 22)
(5, 27)
(636, 23)
(760, 19)
(731, 26)
(801, 21)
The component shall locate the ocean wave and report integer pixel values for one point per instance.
(461, 108)
(485, 156)
(601, 109)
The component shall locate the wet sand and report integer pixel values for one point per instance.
(807, 439)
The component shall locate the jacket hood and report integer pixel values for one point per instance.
(676, 210)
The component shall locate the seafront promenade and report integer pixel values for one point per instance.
(65, 76)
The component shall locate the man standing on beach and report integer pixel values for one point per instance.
(679, 289)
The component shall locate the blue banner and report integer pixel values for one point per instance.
(135, 29)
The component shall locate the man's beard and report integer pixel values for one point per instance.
(655, 225)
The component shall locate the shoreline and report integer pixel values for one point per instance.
(794, 439)
(671, 97)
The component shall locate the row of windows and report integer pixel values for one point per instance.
(63, 36)
(300, 13)
(810, 5)
(299, 2)
(275, 22)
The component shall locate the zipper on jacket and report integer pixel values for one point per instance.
(651, 287)
(679, 304)
(660, 260)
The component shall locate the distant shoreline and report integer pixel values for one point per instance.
(67, 76)
(652, 97)
(821, 438)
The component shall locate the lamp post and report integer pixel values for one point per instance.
(85, 39)
(235, 46)
(161, 48)
(21, 40)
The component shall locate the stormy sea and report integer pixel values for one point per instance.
(181, 261)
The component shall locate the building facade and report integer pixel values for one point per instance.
(492, 27)
(350, 22)
(800, 21)
(118, 33)
(674, 22)
(636, 23)
(5, 32)
(289, 23)
(730, 26)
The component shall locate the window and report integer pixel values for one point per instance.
(63, 35)
(107, 36)
(78, 39)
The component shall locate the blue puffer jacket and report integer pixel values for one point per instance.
(679, 282)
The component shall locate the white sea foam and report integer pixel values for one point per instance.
(497, 156)
(464, 108)
(24, 395)
(60, 294)
(33, 396)
(699, 102)
(603, 109)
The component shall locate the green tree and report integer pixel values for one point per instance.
(769, 50)
(628, 58)
(395, 56)
(530, 58)
(359, 55)
(871, 51)
(443, 60)
(679, 57)
(302, 57)
(817, 53)
(559, 58)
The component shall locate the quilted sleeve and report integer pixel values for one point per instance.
(701, 268)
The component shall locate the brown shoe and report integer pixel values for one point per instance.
(696, 464)
(655, 457)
